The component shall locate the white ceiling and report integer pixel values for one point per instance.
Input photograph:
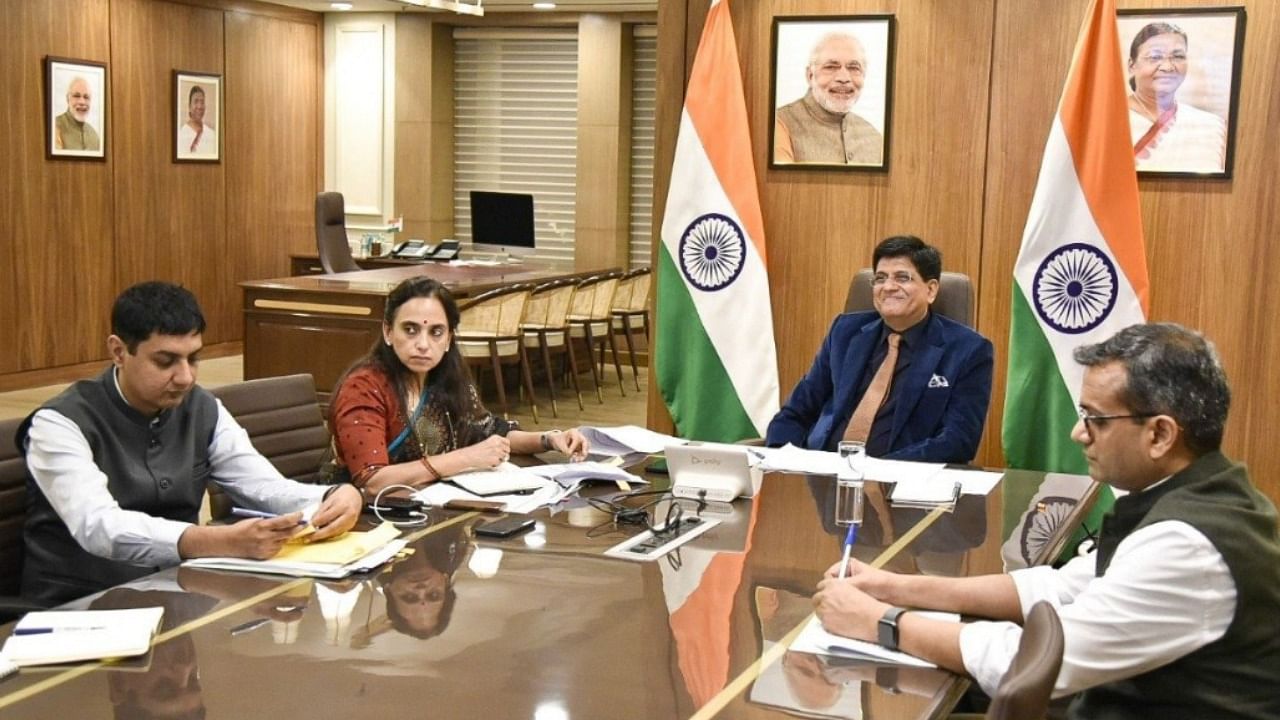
(490, 6)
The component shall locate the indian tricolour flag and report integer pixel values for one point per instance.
(715, 359)
(1082, 273)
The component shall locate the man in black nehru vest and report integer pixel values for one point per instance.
(1176, 613)
(120, 463)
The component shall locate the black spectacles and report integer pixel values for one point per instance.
(1101, 420)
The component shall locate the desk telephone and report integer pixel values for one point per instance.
(421, 250)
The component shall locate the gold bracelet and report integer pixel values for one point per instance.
(435, 474)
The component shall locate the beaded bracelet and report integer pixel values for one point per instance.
(435, 474)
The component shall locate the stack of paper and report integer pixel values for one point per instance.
(815, 639)
(45, 638)
(331, 559)
(506, 479)
(627, 439)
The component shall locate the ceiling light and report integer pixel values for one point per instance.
(340, 5)
(544, 6)
(462, 8)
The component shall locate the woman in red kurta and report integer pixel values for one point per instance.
(408, 414)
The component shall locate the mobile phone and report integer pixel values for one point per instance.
(505, 527)
(394, 506)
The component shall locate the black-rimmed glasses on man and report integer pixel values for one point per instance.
(1101, 420)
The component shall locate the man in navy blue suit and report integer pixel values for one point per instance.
(929, 400)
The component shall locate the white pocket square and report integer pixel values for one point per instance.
(937, 381)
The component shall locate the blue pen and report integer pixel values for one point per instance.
(247, 513)
(43, 630)
(849, 540)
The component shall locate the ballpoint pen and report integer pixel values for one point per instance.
(43, 630)
(849, 540)
(247, 513)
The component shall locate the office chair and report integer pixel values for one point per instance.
(284, 423)
(489, 333)
(955, 296)
(631, 311)
(590, 320)
(1024, 690)
(13, 515)
(545, 326)
(331, 234)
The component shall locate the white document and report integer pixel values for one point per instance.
(814, 639)
(571, 475)
(790, 458)
(329, 559)
(626, 439)
(62, 636)
(505, 479)
(972, 482)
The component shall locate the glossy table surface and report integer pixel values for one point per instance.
(544, 626)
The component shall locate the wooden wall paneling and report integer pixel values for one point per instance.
(424, 126)
(170, 218)
(677, 38)
(1022, 109)
(273, 145)
(821, 226)
(56, 214)
(604, 141)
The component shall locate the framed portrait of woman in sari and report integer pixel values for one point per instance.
(1183, 73)
(197, 117)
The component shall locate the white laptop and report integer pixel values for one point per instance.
(711, 471)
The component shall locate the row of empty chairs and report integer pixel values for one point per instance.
(505, 325)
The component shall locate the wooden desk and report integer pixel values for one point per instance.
(320, 324)
(309, 263)
(541, 625)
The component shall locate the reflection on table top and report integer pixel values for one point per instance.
(462, 278)
(541, 625)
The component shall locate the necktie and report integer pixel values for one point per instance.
(865, 414)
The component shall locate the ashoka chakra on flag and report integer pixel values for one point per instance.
(1075, 288)
(712, 252)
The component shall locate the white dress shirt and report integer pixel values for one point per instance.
(61, 462)
(1166, 593)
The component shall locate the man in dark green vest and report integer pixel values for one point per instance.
(1177, 613)
(120, 463)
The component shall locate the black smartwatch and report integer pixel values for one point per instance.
(888, 627)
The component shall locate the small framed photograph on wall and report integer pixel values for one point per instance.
(75, 109)
(832, 89)
(197, 103)
(1182, 67)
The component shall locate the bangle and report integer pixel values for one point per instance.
(333, 490)
(435, 474)
(546, 439)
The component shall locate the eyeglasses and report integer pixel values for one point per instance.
(1158, 59)
(1094, 422)
(898, 278)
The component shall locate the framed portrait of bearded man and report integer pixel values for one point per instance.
(832, 81)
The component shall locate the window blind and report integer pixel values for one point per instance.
(515, 127)
(644, 95)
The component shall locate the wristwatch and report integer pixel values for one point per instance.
(888, 627)
(546, 439)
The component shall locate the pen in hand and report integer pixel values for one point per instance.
(247, 513)
(849, 540)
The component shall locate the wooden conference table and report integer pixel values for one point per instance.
(320, 324)
(543, 626)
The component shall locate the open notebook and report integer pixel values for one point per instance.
(63, 636)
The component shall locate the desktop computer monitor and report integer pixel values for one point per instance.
(502, 222)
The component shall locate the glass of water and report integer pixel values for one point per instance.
(849, 496)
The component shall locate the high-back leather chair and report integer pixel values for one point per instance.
(13, 507)
(489, 333)
(1024, 691)
(284, 423)
(331, 234)
(955, 296)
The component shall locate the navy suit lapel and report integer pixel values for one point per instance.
(852, 367)
(924, 361)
